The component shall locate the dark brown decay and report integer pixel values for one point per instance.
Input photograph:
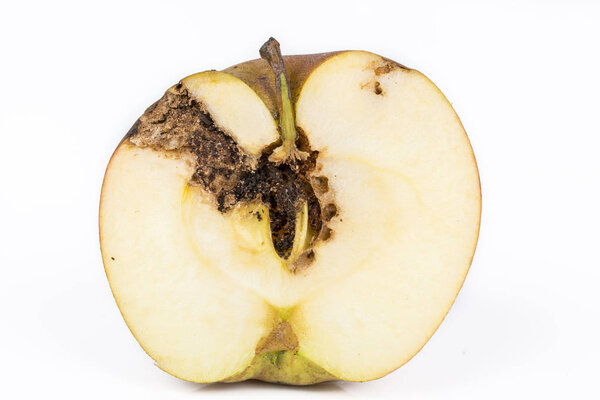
(178, 122)
(378, 90)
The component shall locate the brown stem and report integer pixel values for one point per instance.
(271, 52)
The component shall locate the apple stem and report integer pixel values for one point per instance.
(271, 52)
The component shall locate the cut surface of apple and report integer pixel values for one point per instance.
(294, 220)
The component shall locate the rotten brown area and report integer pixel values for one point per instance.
(178, 122)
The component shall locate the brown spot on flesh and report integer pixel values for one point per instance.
(378, 68)
(329, 211)
(378, 90)
(325, 234)
(304, 260)
(386, 66)
(320, 184)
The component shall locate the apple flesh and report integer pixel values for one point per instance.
(202, 282)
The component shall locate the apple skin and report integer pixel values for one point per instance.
(285, 366)
(258, 75)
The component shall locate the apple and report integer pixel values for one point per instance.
(291, 219)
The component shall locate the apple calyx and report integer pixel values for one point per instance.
(287, 152)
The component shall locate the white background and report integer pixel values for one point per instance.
(523, 76)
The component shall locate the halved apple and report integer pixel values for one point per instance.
(293, 220)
